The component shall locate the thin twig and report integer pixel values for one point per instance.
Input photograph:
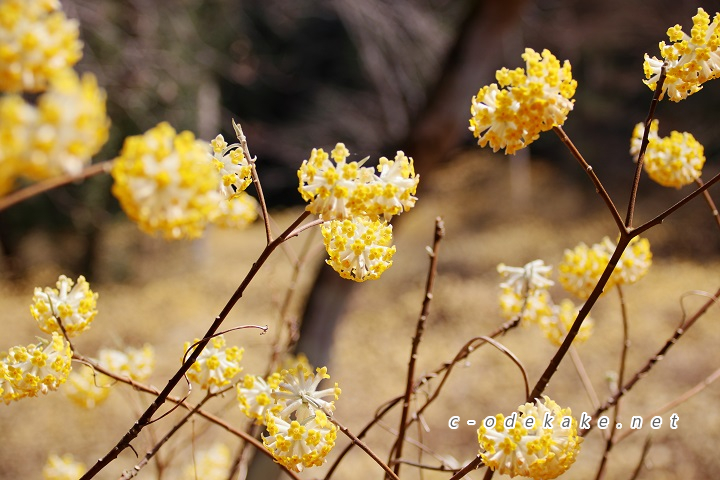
(419, 330)
(685, 324)
(256, 180)
(51, 183)
(584, 377)
(641, 462)
(356, 441)
(474, 464)
(643, 148)
(711, 204)
(146, 417)
(591, 173)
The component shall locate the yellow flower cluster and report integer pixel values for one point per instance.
(339, 190)
(298, 445)
(63, 468)
(73, 304)
(525, 102)
(216, 366)
(211, 464)
(255, 395)
(37, 42)
(582, 266)
(35, 369)
(359, 248)
(556, 325)
(166, 184)
(673, 161)
(57, 135)
(134, 363)
(690, 60)
(541, 442)
(87, 388)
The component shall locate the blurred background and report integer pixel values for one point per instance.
(378, 76)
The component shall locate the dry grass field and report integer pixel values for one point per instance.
(166, 294)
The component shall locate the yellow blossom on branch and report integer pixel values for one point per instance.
(216, 366)
(73, 304)
(525, 102)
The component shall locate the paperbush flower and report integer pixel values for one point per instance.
(691, 60)
(527, 278)
(526, 102)
(300, 444)
(532, 306)
(255, 395)
(134, 363)
(233, 166)
(582, 267)
(87, 388)
(74, 304)
(166, 184)
(35, 369)
(634, 262)
(556, 325)
(63, 468)
(211, 464)
(531, 450)
(359, 248)
(16, 118)
(673, 161)
(336, 189)
(239, 211)
(37, 42)
(216, 366)
(298, 394)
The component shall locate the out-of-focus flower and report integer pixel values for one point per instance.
(300, 444)
(532, 306)
(582, 267)
(233, 166)
(527, 278)
(299, 396)
(359, 248)
(236, 212)
(37, 42)
(71, 126)
(35, 369)
(166, 184)
(16, 119)
(673, 161)
(134, 363)
(691, 60)
(74, 304)
(528, 447)
(216, 366)
(634, 262)
(255, 395)
(339, 190)
(526, 102)
(63, 468)
(211, 464)
(556, 325)
(87, 388)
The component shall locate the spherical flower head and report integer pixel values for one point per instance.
(35, 369)
(166, 184)
(71, 126)
(216, 366)
(581, 268)
(135, 363)
(234, 168)
(72, 304)
(63, 468)
(237, 212)
(532, 306)
(673, 161)
(556, 325)
(299, 396)
(533, 275)
(87, 388)
(17, 120)
(37, 42)
(338, 190)
(634, 262)
(211, 464)
(359, 248)
(526, 102)
(689, 61)
(300, 444)
(528, 449)
(255, 395)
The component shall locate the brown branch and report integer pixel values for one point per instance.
(420, 328)
(356, 441)
(36, 188)
(468, 468)
(709, 201)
